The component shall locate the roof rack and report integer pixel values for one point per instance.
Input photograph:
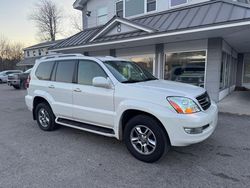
(110, 57)
(60, 55)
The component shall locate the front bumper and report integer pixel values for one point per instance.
(29, 102)
(176, 125)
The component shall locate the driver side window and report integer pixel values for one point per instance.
(88, 70)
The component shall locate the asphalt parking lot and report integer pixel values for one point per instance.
(66, 157)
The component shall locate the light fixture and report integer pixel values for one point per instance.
(88, 13)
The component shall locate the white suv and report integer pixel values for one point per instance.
(117, 98)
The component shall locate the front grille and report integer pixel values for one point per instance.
(11, 78)
(204, 101)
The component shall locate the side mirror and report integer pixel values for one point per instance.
(101, 82)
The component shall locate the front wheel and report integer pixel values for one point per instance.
(45, 117)
(146, 139)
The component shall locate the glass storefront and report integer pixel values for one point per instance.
(246, 76)
(145, 61)
(227, 71)
(186, 67)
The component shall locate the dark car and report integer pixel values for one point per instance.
(18, 80)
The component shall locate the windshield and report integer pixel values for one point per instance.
(2, 73)
(128, 72)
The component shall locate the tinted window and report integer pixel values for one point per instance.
(65, 71)
(88, 70)
(133, 7)
(43, 71)
(177, 2)
(119, 9)
(151, 5)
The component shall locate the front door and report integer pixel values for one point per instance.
(93, 105)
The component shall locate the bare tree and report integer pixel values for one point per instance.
(47, 16)
(76, 22)
(10, 53)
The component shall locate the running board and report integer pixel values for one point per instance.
(80, 125)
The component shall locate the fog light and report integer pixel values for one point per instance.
(193, 130)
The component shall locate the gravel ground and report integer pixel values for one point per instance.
(30, 157)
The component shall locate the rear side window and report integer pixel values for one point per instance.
(43, 71)
(65, 71)
(88, 70)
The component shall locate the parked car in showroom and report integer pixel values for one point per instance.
(18, 80)
(118, 98)
(4, 75)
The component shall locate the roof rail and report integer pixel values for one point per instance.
(110, 57)
(60, 55)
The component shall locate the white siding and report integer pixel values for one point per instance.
(94, 5)
(99, 53)
(186, 46)
(143, 50)
(35, 52)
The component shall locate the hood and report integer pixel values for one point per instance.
(171, 88)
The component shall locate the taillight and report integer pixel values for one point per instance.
(27, 84)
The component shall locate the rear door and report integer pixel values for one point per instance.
(93, 105)
(60, 87)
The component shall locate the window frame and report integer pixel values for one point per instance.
(100, 16)
(176, 6)
(123, 10)
(186, 51)
(145, 9)
(52, 70)
(55, 68)
(155, 1)
(77, 71)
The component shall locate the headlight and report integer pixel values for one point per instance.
(183, 105)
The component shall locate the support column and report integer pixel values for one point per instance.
(159, 60)
(239, 74)
(112, 52)
(214, 58)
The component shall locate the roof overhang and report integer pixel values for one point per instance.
(116, 20)
(169, 37)
(79, 4)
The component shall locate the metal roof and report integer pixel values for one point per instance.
(120, 36)
(43, 44)
(28, 61)
(200, 15)
(77, 39)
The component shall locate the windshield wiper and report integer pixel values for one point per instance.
(149, 79)
(130, 81)
(134, 81)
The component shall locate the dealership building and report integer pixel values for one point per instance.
(204, 43)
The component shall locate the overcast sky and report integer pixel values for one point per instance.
(15, 25)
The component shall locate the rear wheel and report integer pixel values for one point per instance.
(45, 117)
(145, 138)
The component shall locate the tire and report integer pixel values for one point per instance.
(156, 137)
(45, 117)
(16, 87)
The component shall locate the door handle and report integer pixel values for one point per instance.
(77, 90)
(52, 86)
